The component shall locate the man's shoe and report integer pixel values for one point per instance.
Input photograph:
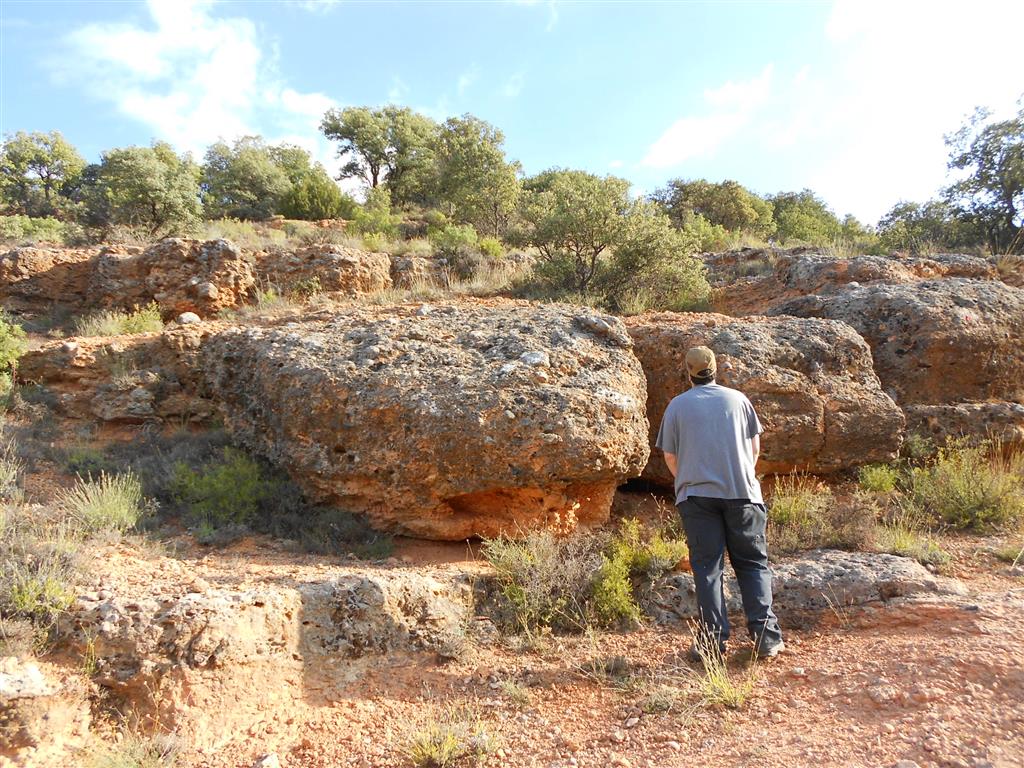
(769, 651)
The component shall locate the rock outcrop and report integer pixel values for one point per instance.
(179, 275)
(330, 268)
(810, 381)
(817, 581)
(934, 341)
(457, 420)
(999, 421)
(131, 379)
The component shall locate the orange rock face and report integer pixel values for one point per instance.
(446, 422)
(333, 268)
(810, 381)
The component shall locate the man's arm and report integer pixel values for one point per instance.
(670, 462)
(755, 447)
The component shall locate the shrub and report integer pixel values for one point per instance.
(970, 487)
(375, 242)
(12, 343)
(118, 323)
(109, 503)
(491, 247)
(905, 537)
(455, 736)
(230, 491)
(247, 235)
(375, 216)
(28, 229)
(452, 237)
(878, 478)
(804, 514)
(717, 686)
(417, 246)
(135, 751)
(11, 468)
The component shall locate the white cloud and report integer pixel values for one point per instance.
(732, 104)
(614, 164)
(316, 6)
(192, 78)
(467, 78)
(514, 86)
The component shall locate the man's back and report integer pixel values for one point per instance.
(709, 428)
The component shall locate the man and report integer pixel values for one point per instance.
(710, 438)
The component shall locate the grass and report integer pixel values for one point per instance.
(1012, 553)
(135, 751)
(11, 468)
(716, 685)
(906, 536)
(568, 583)
(247, 235)
(976, 488)
(108, 503)
(120, 323)
(804, 514)
(878, 478)
(453, 737)
(517, 694)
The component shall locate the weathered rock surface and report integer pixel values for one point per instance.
(810, 381)
(409, 271)
(32, 276)
(1000, 421)
(934, 341)
(190, 659)
(462, 419)
(126, 378)
(179, 275)
(814, 582)
(331, 268)
(755, 281)
(41, 717)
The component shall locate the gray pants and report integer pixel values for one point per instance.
(737, 526)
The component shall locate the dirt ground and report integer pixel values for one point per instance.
(936, 682)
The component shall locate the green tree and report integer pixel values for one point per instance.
(992, 191)
(374, 217)
(804, 217)
(726, 204)
(150, 188)
(391, 144)
(316, 196)
(476, 184)
(243, 181)
(38, 171)
(924, 227)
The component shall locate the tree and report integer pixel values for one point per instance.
(315, 196)
(727, 204)
(923, 227)
(476, 184)
(147, 187)
(244, 181)
(38, 172)
(804, 217)
(992, 192)
(392, 144)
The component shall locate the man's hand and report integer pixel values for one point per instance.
(755, 447)
(670, 462)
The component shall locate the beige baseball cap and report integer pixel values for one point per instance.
(700, 362)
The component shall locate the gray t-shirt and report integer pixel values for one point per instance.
(709, 429)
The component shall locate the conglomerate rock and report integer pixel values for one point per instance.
(331, 268)
(133, 378)
(180, 275)
(457, 420)
(1000, 421)
(810, 381)
(934, 341)
(32, 276)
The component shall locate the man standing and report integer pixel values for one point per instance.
(710, 438)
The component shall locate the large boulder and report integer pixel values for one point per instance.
(998, 420)
(179, 275)
(33, 277)
(463, 419)
(810, 381)
(330, 268)
(934, 341)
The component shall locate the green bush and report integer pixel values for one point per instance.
(109, 503)
(491, 247)
(452, 738)
(452, 237)
(970, 487)
(568, 583)
(119, 323)
(13, 343)
(230, 491)
(878, 478)
(247, 235)
(24, 229)
(375, 216)
(375, 242)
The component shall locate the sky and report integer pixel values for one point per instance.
(849, 98)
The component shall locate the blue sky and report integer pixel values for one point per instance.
(850, 98)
